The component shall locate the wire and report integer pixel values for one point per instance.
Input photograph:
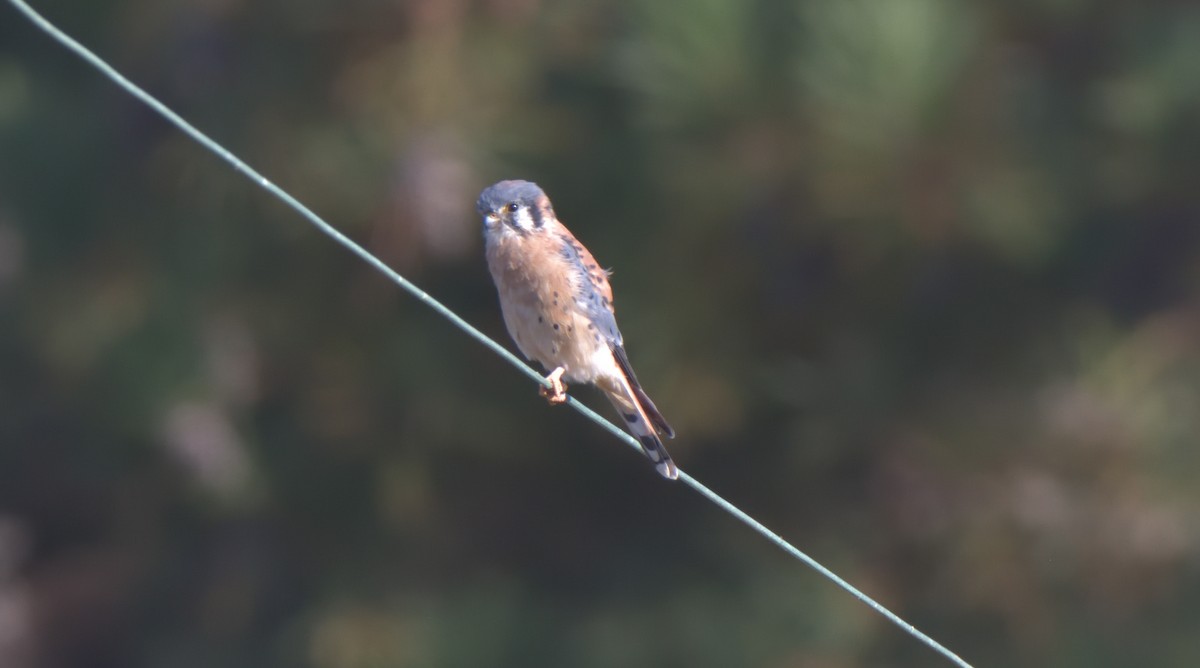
(223, 153)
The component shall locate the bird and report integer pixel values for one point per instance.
(557, 305)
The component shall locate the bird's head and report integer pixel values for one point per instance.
(513, 207)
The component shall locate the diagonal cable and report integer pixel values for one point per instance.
(223, 153)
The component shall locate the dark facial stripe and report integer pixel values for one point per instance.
(511, 221)
(542, 211)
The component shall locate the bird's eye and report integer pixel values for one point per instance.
(512, 207)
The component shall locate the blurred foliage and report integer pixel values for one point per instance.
(917, 282)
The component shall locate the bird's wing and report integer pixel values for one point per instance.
(592, 290)
(656, 418)
(595, 294)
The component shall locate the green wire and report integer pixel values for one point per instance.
(421, 295)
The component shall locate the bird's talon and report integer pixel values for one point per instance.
(557, 392)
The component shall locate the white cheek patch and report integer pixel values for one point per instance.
(523, 219)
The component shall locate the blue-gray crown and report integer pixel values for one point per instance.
(499, 195)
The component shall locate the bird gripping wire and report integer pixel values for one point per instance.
(224, 154)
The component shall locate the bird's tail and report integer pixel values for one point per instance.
(626, 398)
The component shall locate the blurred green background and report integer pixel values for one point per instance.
(916, 281)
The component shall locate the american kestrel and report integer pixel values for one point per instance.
(558, 307)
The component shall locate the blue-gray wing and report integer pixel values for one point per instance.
(593, 294)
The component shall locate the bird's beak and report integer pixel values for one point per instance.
(491, 219)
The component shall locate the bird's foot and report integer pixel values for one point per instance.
(557, 392)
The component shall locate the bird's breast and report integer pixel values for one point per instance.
(542, 312)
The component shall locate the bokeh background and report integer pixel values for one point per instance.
(917, 282)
